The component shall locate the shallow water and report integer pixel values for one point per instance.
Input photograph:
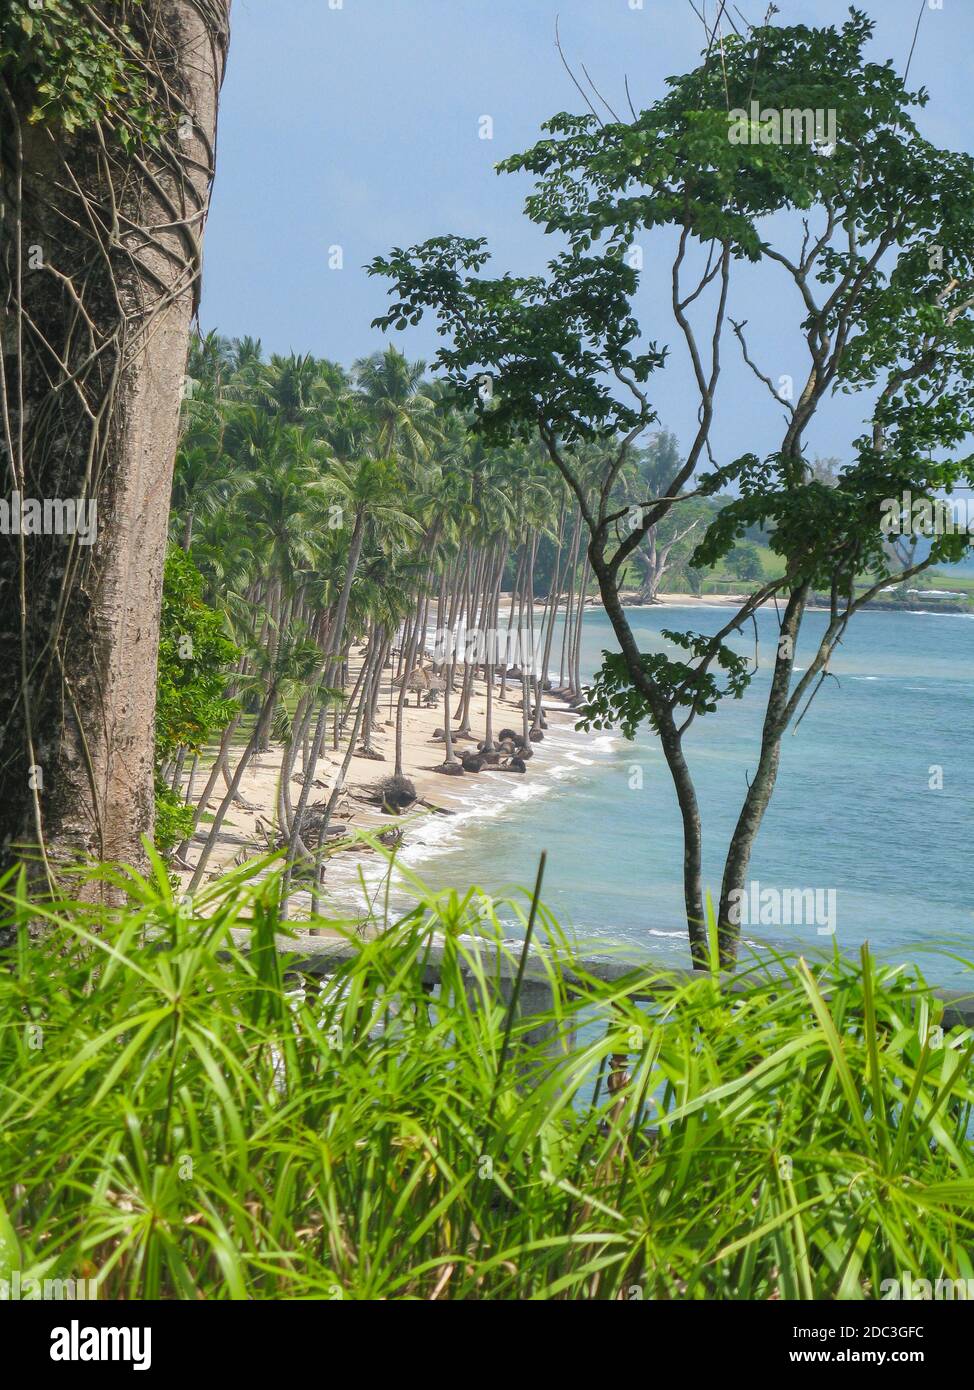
(853, 813)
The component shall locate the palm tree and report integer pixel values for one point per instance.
(402, 412)
(204, 480)
(291, 389)
(325, 510)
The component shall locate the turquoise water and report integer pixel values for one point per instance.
(853, 810)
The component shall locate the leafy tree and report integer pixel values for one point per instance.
(885, 279)
(744, 562)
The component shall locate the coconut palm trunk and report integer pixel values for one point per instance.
(260, 728)
(336, 791)
(410, 649)
(515, 590)
(528, 660)
(472, 598)
(211, 781)
(548, 631)
(329, 663)
(568, 634)
(449, 755)
(294, 838)
(577, 654)
(491, 626)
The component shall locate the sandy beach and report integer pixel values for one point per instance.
(249, 833)
(701, 600)
(675, 600)
(678, 601)
(250, 829)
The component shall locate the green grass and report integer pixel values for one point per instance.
(719, 580)
(178, 1124)
(961, 582)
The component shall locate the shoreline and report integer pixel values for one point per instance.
(470, 798)
(353, 874)
(919, 603)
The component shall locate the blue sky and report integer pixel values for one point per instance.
(359, 127)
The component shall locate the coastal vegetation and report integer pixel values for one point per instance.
(338, 522)
(349, 529)
(882, 275)
(322, 596)
(185, 1117)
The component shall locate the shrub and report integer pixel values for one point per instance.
(194, 658)
(180, 1121)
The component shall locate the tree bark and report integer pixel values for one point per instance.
(263, 719)
(673, 752)
(762, 784)
(99, 280)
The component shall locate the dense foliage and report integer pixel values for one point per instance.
(871, 226)
(179, 1122)
(195, 655)
(345, 512)
(79, 64)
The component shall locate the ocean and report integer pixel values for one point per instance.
(872, 813)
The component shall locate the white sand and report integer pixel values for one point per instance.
(245, 834)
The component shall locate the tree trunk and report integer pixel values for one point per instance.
(466, 687)
(550, 614)
(336, 791)
(489, 623)
(263, 719)
(448, 756)
(576, 677)
(410, 644)
(762, 783)
(568, 633)
(294, 839)
(673, 752)
(528, 662)
(211, 781)
(515, 590)
(192, 779)
(99, 279)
